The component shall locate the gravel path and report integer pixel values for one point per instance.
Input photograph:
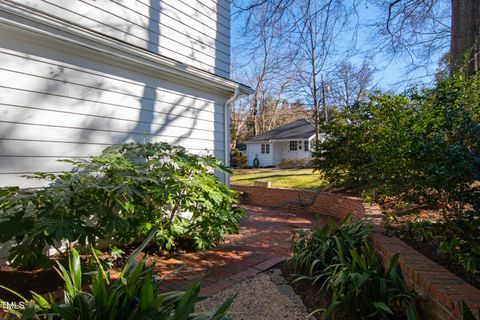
(264, 296)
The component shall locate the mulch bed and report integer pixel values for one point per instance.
(431, 253)
(39, 281)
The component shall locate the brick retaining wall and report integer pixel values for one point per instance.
(439, 291)
(324, 203)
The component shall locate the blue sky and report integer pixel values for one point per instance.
(391, 74)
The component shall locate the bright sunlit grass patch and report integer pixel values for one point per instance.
(280, 178)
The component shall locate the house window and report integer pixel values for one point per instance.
(265, 148)
(293, 145)
(306, 143)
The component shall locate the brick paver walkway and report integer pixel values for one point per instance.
(263, 242)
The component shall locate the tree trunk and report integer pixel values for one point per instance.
(254, 113)
(311, 34)
(465, 35)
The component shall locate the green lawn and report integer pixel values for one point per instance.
(280, 178)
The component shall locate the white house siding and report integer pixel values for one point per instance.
(255, 150)
(282, 152)
(63, 102)
(193, 32)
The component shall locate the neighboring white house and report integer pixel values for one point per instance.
(288, 142)
(77, 76)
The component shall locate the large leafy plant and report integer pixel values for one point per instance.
(172, 188)
(134, 295)
(364, 289)
(121, 195)
(76, 208)
(340, 260)
(316, 250)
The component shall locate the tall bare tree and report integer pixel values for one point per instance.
(309, 28)
(313, 38)
(263, 70)
(424, 25)
(239, 112)
(418, 29)
(349, 83)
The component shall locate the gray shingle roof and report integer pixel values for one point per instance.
(297, 130)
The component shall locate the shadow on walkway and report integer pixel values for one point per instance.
(263, 241)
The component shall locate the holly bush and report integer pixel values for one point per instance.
(422, 145)
(122, 195)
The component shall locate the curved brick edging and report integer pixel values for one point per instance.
(325, 203)
(439, 291)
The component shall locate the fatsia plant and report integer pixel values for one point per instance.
(167, 186)
(76, 209)
(122, 194)
(134, 295)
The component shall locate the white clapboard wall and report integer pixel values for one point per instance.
(58, 103)
(254, 150)
(194, 32)
(62, 100)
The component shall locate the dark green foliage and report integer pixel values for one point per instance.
(171, 188)
(316, 250)
(364, 289)
(135, 295)
(457, 240)
(35, 219)
(123, 194)
(341, 261)
(237, 159)
(418, 146)
(296, 163)
(467, 314)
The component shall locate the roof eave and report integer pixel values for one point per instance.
(28, 20)
(280, 140)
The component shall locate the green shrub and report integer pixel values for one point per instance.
(420, 146)
(457, 240)
(341, 261)
(122, 194)
(313, 251)
(237, 159)
(135, 295)
(364, 289)
(171, 188)
(296, 163)
(78, 208)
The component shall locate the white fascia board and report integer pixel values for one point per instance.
(259, 142)
(279, 140)
(293, 139)
(28, 20)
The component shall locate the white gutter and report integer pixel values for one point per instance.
(280, 140)
(226, 120)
